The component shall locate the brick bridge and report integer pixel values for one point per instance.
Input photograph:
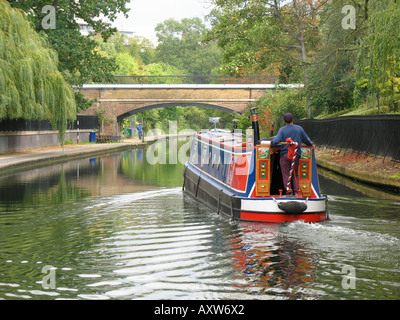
(121, 101)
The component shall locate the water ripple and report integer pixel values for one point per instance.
(159, 244)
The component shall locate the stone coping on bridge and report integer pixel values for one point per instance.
(189, 86)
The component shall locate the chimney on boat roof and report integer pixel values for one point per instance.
(254, 125)
(235, 125)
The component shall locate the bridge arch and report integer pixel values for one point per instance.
(176, 104)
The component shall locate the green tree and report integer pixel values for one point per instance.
(267, 36)
(127, 65)
(80, 62)
(275, 103)
(31, 86)
(138, 47)
(378, 59)
(333, 76)
(195, 118)
(142, 48)
(93, 12)
(162, 69)
(341, 66)
(180, 45)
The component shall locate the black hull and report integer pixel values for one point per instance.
(217, 199)
(228, 204)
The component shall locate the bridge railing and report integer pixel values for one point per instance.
(195, 79)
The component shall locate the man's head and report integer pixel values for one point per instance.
(288, 117)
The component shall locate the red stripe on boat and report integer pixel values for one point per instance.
(279, 217)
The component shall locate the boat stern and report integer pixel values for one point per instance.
(288, 209)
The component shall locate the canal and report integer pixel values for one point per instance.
(119, 227)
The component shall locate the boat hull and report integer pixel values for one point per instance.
(266, 210)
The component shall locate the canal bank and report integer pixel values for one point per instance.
(369, 169)
(38, 157)
(12, 162)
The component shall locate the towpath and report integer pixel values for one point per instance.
(369, 169)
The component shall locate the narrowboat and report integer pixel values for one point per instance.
(243, 181)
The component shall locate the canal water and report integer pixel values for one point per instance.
(119, 227)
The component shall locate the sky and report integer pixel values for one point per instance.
(146, 14)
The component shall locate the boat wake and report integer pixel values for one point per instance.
(345, 237)
(124, 199)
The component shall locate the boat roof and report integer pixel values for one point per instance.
(223, 137)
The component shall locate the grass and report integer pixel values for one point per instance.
(389, 105)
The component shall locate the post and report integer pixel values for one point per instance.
(271, 134)
(235, 125)
(254, 125)
(77, 132)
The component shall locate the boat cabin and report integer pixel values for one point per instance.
(223, 156)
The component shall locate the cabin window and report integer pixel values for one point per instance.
(204, 155)
(194, 153)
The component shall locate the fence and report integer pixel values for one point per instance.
(377, 135)
(85, 123)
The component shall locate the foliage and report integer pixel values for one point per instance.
(160, 69)
(180, 45)
(378, 59)
(127, 65)
(134, 57)
(92, 12)
(275, 103)
(139, 48)
(333, 76)
(194, 118)
(79, 61)
(31, 86)
(79, 58)
(303, 40)
(267, 36)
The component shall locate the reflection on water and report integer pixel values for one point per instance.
(116, 227)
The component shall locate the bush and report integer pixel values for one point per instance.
(275, 103)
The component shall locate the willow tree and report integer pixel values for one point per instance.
(79, 61)
(378, 60)
(31, 87)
